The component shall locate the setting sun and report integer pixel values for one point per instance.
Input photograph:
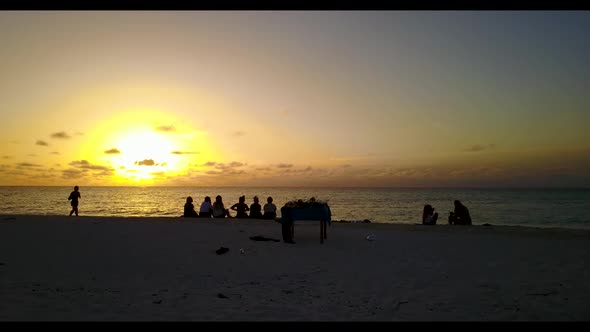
(144, 154)
(142, 146)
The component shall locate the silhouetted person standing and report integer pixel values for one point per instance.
(74, 196)
(255, 209)
(461, 215)
(241, 207)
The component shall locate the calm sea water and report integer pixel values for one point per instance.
(568, 208)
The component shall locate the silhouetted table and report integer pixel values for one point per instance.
(289, 215)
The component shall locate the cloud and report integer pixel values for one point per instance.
(6, 157)
(184, 152)
(54, 152)
(475, 148)
(405, 172)
(42, 143)
(282, 165)
(223, 166)
(112, 151)
(85, 165)
(17, 172)
(146, 162)
(346, 166)
(225, 169)
(27, 165)
(60, 135)
(297, 171)
(238, 133)
(475, 172)
(478, 147)
(158, 174)
(104, 173)
(72, 173)
(32, 155)
(165, 129)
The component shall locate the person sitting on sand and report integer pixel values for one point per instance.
(460, 216)
(74, 195)
(189, 209)
(206, 208)
(270, 210)
(241, 207)
(255, 209)
(219, 210)
(428, 216)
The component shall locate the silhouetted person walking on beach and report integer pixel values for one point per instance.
(255, 209)
(270, 210)
(241, 207)
(189, 208)
(219, 210)
(74, 196)
(460, 216)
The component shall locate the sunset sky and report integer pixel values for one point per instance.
(380, 99)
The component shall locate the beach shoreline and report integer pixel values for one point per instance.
(179, 218)
(158, 268)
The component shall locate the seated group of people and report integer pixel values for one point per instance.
(459, 217)
(218, 210)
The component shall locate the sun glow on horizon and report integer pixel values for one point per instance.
(143, 146)
(144, 154)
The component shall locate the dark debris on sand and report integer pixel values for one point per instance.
(365, 221)
(222, 250)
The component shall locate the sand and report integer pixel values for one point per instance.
(148, 269)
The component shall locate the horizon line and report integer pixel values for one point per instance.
(314, 187)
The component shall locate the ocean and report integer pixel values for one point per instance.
(565, 208)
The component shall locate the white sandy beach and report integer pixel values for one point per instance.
(94, 268)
